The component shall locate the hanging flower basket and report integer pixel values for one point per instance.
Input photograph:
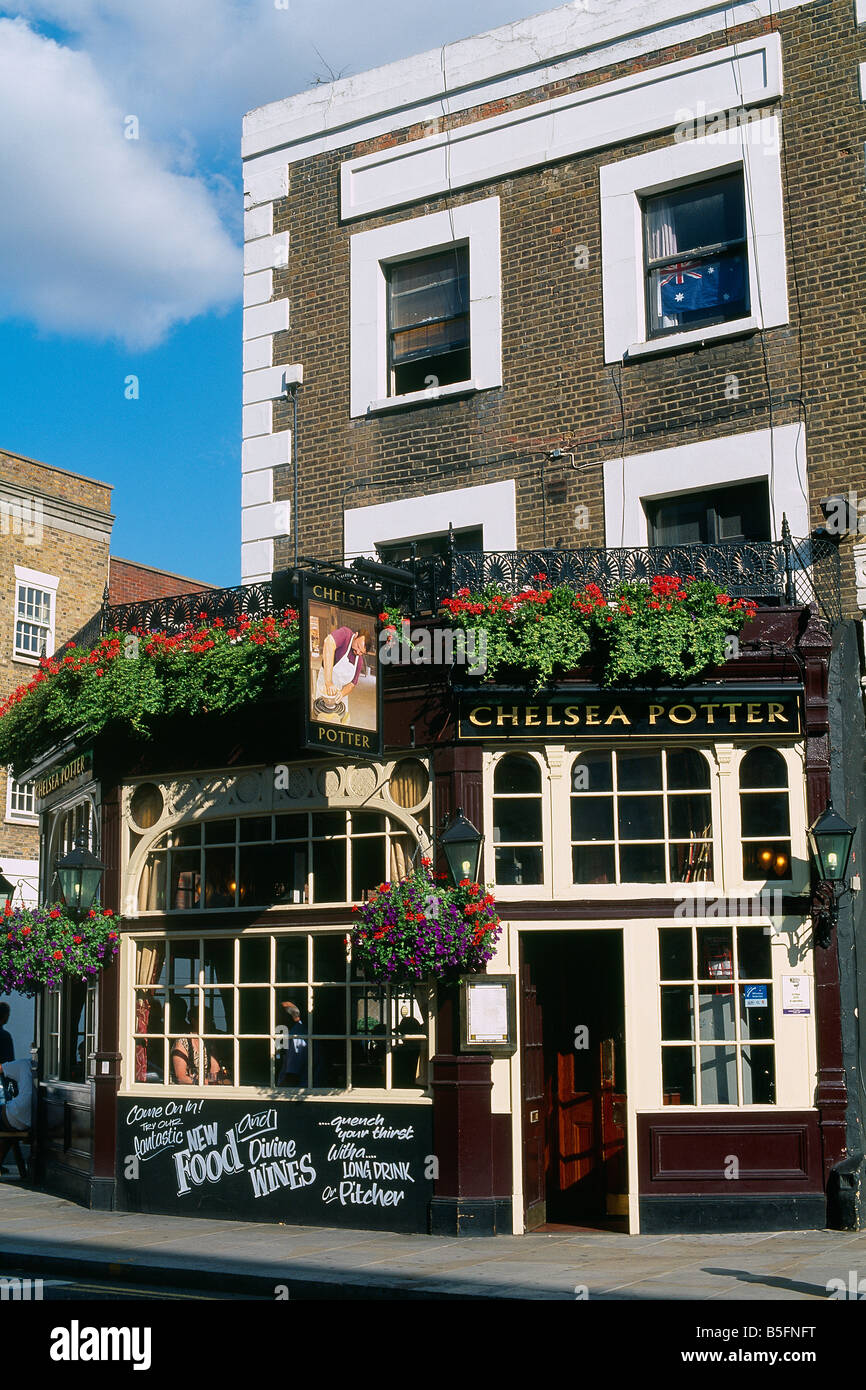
(421, 928)
(41, 947)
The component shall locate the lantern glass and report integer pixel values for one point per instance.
(461, 844)
(79, 874)
(830, 841)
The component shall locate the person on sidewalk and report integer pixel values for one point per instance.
(7, 1047)
(15, 1114)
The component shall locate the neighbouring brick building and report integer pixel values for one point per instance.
(129, 581)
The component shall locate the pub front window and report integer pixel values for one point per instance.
(716, 1016)
(517, 820)
(288, 1010)
(765, 815)
(642, 816)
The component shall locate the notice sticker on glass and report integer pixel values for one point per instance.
(488, 1013)
(796, 994)
(755, 996)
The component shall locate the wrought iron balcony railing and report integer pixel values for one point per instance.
(786, 572)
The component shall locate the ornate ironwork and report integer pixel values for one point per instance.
(787, 571)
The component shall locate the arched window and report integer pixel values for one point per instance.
(765, 815)
(517, 833)
(642, 816)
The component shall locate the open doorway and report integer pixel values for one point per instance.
(573, 1078)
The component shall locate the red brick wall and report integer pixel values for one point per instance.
(129, 582)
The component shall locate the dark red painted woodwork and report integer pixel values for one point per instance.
(462, 1128)
(776, 1153)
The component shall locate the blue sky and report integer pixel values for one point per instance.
(121, 257)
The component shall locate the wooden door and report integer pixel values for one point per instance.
(535, 1101)
(612, 1154)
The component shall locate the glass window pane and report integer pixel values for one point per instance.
(327, 824)
(185, 890)
(292, 959)
(759, 1075)
(592, 772)
(716, 954)
(329, 871)
(180, 1003)
(519, 866)
(150, 1062)
(678, 1013)
(517, 773)
(329, 1064)
(220, 884)
(592, 818)
(689, 817)
(753, 949)
(640, 818)
(255, 959)
(254, 1062)
(368, 865)
(219, 960)
(184, 963)
(593, 864)
(185, 835)
(368, 1059)
(291, 827)
(639, 772)
(265, 875)
(329, 958)
(691, 863)
(516, 820)
(716, 1011)
(367, 823)
(255, 828)
(687, 769)
(718, 1075)
(254, 1011)
(149, 1010)
(675, 952)
(765, 814)
(151, 888)
(678, 1075)
(642, 863)
(763, 767)
(219, 832)
(329, 1009)
(771, 860)
(218, 1011)
(756, 1015)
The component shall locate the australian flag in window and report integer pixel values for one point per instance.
(706, 285)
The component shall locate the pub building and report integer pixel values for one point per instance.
(662, 1048)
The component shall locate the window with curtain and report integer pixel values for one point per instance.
(296, 857)
(765, 815)
(695, 255)
(740, 513)
(33, 621)
(642, 816)
(428, 321)
(208, 1007)
(716, 1016)
(517, 821)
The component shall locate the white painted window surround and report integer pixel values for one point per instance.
(711, 463)
(19, 802)
(476, 224)
(754, 148)
(492, 506)
(48, 583)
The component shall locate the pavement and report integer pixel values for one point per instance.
(47, 1236)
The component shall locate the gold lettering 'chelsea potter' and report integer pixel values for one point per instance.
(684, 714)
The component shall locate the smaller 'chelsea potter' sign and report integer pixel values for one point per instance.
(679, 714)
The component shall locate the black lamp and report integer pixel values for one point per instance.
(7, 889)
(461, 844)
(830, 840)
(79, 873)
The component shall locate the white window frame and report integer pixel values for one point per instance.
(14, 816)
(779, 458)
(754, 149)
(48, 583)
(475, 224)
(492, 506)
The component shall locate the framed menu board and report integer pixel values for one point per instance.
(488, 1014)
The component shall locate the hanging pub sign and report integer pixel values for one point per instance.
(753, 711)
(342, 678)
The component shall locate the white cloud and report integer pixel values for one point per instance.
(98, 237)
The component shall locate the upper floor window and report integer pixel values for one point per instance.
(765, 815)
(34, 612)
(470, 538)
(695, 255)
(641, 817)
(19, 800)
(739, 513)
(258, 861)
(517, 820)
(428, 321)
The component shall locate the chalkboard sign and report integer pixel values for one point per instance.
(311, 1164)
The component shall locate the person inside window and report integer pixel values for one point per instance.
(190, 1055)
(293, 1071)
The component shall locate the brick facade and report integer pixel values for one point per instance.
(131, 582)
(557, 390)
